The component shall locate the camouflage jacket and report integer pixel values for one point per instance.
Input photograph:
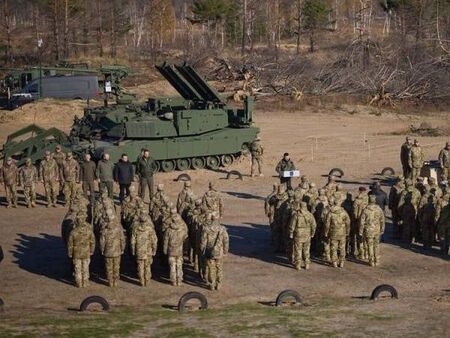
(59, 158)
(213, 202)
(394, 195)
(70, 171)
(412, 195)
(48, 170)
(302, 226)
(156, 204)
(182, 199)
(130, 207)
(81, 242)
(143, 240)
(9, 174)
(28, 176)
(256, 149)
(112, 240)
(372, 221)
(337, 223)
(361, 201)
(214, 242)
(174, 238)
(444, 158)
(310, 198)
(416, 157)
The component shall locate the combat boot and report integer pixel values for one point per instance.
(218, 286)
(335, 264)
(307, 266)
(341, 264)
(33, 205)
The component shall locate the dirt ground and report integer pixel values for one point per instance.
(35, 275)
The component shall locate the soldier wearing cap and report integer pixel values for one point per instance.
(28, 176)
(285, 164)
(404, 156)
(9, 176)
(257, 152)
(49, 175)
(444, 161)
(70, 176)
(59, 157)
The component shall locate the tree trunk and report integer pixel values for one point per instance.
(244, 27)
(55, 30)
(113, 29)
(311, 41)
(99, 29)
(86, 26)
(8, 47)
(66, 29)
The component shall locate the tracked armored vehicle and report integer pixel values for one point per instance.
(196, 130)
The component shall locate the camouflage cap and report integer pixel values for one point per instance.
(28, 160)
(170, 205)
(312, 185)
(69, 154)
(58, 147)
(173, 210)
(198, 202)
(47, 153)
(303, 205)
(160, 187)
(166, 199)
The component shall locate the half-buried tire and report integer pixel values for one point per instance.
(338, 172)
(1, 254)
(183, 177)
(182, 303)
(2, 305)
(384, 288)
(234, 172)
(288, 296)
(388, 171)
(94, 300)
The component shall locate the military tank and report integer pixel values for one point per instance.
(193, 131)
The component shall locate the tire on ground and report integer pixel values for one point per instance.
(383, 288)
(2, 305)
(338, 172)
(183, 177)
(94, 300)
(388, 171)
(192, 295)
(1, 254)
(286, 294)
(234, 172)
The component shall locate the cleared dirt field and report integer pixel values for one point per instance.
(37, 286)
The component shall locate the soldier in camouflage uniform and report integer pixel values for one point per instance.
(68, 222)
(268, 204)
(337, 228)
(301, 229)
(257, 151)
(214, 246)
(339, 195)
(196, 219)
(427, 219)
(408, 207)
(394, 200)
(321, 244)
(372, 228)
(49, 175)
(143, 245)
(416, 158)
(311, 196)
(9, 176)
(444, 161)
(181, 199)
(101, 207)
(59, 156)
(302, 187)
(80, 247)
(433, 185)
(360, 203)
(28, 176)
(157, 203)
(213, 201)
(130, 207)
(443, 229)
(112, 246)
(174, 238)
(277, 226)
(330, 187)
(70, 176)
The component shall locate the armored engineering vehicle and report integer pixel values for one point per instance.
(196, 130)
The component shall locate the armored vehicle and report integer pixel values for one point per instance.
(196, 130)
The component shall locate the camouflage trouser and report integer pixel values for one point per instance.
(338, 250)
(144, 270)
(325, 248)
(30, 194)
(112, 270)
(11, 194)
(415, 172)
(215, 272)
(51, 191)
(362, 247)
(176, 269)
(301, 253)
(256, 166)
(373, 249)
(81, 271)
(446, 174)
(69, 192)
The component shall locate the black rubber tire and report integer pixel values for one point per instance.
(192, 295)
(235, 172)
(227, 160)
(388, 171)
(283, 295)
(94, 300)
(384, 288)
(168, 166)
(183, 177)
(213, 162)
(183, 164)
(1, 254)
(157, 166)
(198, 163)
(2, 303)
(338, 172)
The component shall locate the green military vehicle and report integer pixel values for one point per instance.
(194, 131)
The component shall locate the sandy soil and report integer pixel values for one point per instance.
(35, 273)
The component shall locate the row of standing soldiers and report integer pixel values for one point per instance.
(162, 230)
(326, 221)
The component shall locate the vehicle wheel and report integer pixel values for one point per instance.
(286, 295)
(388, 171)
(213, 162)
(183, 177)
(168, 166)
(198, 163)
(336, 172)
(227, 160)
(1, 254)
(189, 296)
(383, 288)
(94, 300)
(183, 164)
(157, 166)
(235, 172)
(245, 149)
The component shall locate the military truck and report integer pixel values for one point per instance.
(193, 131)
